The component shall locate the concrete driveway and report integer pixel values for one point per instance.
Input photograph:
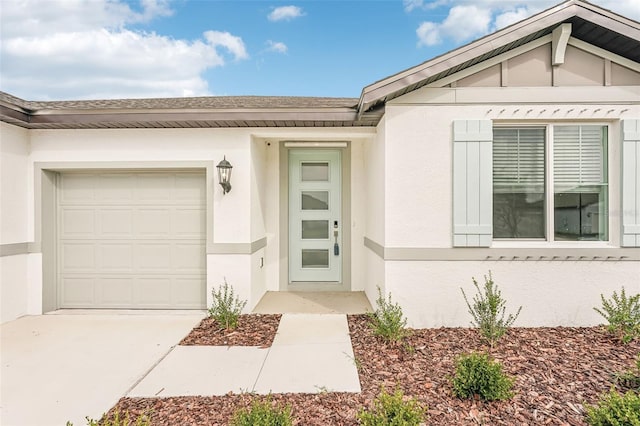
(69, 365)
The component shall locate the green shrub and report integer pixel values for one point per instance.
(478, 374)
(118, 420)
(393, 410)
(488, 311)
(630, 379)
(623, 315)
(263, 413)
(388, 320)
(226, 306)
(615, 409)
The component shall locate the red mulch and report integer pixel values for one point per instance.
(252, 330)
(556, 370)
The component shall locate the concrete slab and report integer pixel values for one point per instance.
(284, 302)
(312, 329)
(203, 370)
(61, 367)
(311, 353)
(309, 368)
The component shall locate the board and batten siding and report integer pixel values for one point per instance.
(472, 183)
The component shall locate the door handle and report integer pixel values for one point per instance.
(336, 246)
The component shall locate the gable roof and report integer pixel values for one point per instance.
(590, 23)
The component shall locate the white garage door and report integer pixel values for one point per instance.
(131, 240)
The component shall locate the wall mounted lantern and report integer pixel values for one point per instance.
(224, 174)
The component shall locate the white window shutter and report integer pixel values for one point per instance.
(472, 183)
(631, 183)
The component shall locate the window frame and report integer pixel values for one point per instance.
(549, 219)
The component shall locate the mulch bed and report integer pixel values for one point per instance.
(252, 330)
(556, 370)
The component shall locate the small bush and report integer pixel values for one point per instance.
(388, 320)
(226, 306)
(263, 414)
(477, 374)
(623, 315)
(488, 311)
(393, 410)
(615, 409)
(630, 379)
(118, 420)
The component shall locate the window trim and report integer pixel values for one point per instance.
(549, 240)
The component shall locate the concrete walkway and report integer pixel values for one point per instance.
(311, 353)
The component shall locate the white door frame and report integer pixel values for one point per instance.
(345, 247)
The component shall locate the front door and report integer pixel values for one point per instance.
(315, 222)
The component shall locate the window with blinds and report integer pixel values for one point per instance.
(580, 183)
(577, 165)
(518, 182)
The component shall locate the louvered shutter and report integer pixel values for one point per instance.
(631, 183)
(472, 183)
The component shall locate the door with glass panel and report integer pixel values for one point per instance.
(315, 222)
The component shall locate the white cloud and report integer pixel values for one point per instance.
(508, 17)
(276, 46)
(230, 42)
(285, 13)
(462, 23)
(428, 34)
(468, 19)
(82, 49)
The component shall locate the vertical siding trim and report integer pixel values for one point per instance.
(630, 183)
(472, 183)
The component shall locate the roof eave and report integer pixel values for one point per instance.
(382, 89)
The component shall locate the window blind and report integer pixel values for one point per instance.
(518, 160)
(578, 158)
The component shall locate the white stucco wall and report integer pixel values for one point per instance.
(14, 228)
(551, 293)
(14, 178)
(418, 212)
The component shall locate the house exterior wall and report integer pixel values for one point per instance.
(14, 230)
(244, 226)
(422, 269)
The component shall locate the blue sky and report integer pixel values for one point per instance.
(94, 49)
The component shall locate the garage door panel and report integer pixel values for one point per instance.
(116, 223)
(152, 292)
(188, 257)
(132, 240)
(153, 223)
(117, 188)
(78, 257)
(188, 292)
(154, 187)
(153, 257)
(188, 223)
(78, 186)
(116, 257)
(77, 222)
(78, 291)
(191, 188)
(116, 292)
